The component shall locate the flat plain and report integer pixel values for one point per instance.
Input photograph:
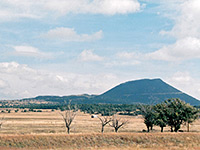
(46, 130)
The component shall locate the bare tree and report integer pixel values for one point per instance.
(117, 123)
(1, 122)
(68, 117)
(104, 121)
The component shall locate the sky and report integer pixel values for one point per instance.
(65, 47)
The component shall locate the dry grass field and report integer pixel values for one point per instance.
(45, 130)
(52, 122)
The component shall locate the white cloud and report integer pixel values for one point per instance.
(186, 83)
(88, 55)
(126, 55)
(3, 84)
(30, 51)
(125, 59)
(18, 81)
(69, 34)
(183, 49)
(186, 31)
(129, 55)
(12, 9)
(122, 63)
(108, 7)
(187, 23)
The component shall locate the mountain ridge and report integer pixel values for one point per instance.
(147, 91)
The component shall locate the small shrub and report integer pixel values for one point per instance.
(24, 110)
(30, 109)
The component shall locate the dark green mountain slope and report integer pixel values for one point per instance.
(75, 99)
(144, 91)
(140, 91)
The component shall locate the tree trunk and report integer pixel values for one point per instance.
(176, 128)
(102, 129)
(188, 127)
(148, 129)
(116, 130)
(172, 129)
(68, 130)
(162, 129)
(151, 127)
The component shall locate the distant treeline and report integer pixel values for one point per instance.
(172, 112)
(103, 109)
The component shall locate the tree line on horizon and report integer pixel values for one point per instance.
(172, 113)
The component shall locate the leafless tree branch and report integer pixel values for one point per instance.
(1, 121)
(117, 123)
(68, 117)
(104, 121)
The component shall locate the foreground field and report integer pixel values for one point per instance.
(45, 130)
(128, 141)
(52, 122)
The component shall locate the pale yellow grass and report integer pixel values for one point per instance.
(46, 130)
(107, 141)
(52, 122)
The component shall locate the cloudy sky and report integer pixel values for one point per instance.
(64, 47)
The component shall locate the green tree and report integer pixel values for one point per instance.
(160, 117)
(148, 115)
(190, 114)
(178, 112)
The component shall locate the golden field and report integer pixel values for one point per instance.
(45, 130)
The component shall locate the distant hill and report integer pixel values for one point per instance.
(146, 91)
(77, 99)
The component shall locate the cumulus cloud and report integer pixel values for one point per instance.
(69, 34)
(128, 55)
(108, 7)
(125, 59)
(122, 63)
(29, 51)
(185, 82)
(186, 31)
(183, 49)
(18, 81)
(187, 23)
(3, 84)
(10, 9)
(88, 55)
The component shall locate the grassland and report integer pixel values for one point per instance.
(45, 130)
(106, 141)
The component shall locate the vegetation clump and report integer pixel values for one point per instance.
(172, 112)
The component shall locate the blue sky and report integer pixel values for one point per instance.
(59, 47)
